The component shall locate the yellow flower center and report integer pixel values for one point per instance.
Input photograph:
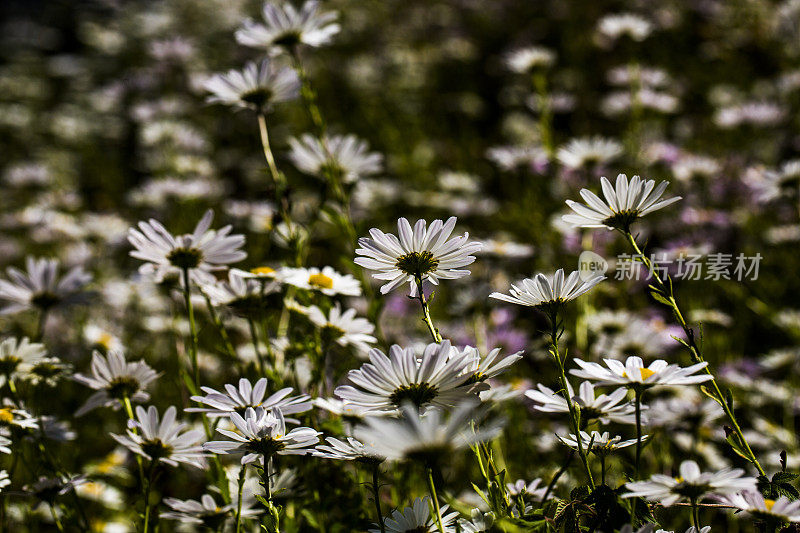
(6, 415)
(320, 280)
(768, 504)
(105, 340)
(262, 271)
(679, 479)
(646, 373)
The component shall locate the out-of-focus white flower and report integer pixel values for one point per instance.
(347, 156)
(588, 152)
(343, 328)
(325, 280)
(634, 26)
(531, 57)
(115, 379)
(417, 517)
(256, 87)
(286, 27)
(40, 286)
(547, 291)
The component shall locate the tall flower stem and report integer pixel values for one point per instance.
(638, 405)
(223, 333)
(126, 402)
(574, 414)
(277, 177)
(56, 519)
(308, 94)
(377, 495)
(242, 474)
(40, 325)
(254, 337)
(187, 297)
(545, 112)
(426, 312)
(695, 515)
(266, 483)
(435, 500)
(662, 292)
(148, 489)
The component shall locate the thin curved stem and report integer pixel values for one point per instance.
(665, 293)
(435, 501)
(377, 495)
(426, 312)
(638, 404)
(242, 474)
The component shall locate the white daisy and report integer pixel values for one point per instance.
(533, 488)
(524, 60)
(617, 25)
(385, 383)
(600, 444)
(691, 484)
(623, 206)
(243, 294)
(200, 252)
(343, 328)
(352, 450)
(162, 440)
(115, 379)
(509, 158)
(19, 356)
(428, 437)
(102, 338)
(12, 417)
(40, 286)
(326, 280)
(5, 445)
(261, 433)
(422, 253)
(588, 152)
(285, 26)
(207, 511)
(482, 368)
(346, 155)
(548, 291)
(418, 519)
(5, 481)
(605, 408)
(634, 374)
(245, 396)
(479, 522)
(760, 508)
(257, 86)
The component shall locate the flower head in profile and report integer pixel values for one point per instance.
(245, 396)
(616, 25)
(760, 508)
(489, 366)
(284, 26)
(437, 378)
(548, 292)
(242, 293)
(200, 252)
(343, 328)
(417, 518)
(623, 205)
(600, 444)
(428, 437)
(260, 434)
(691, 484)
(206, 512)
(325, 280)
(605, 407)
(162, 439)
(588, 152)
(634, 374)
(424, 253)
(349, 450)
(258, 86)
(346, 156)
(115, 379)
(19, 355)
(40, 286)
(526, 59)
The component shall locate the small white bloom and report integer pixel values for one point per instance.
(634, 26)
(600, 444)
(343, 328)
(40, 286)
(19, 355)
(200, 252)
(256, 87)
(633, 373)
(5, 481)
(547, 291)
(115, 379)
(245, 396)
(285, 26)
(486, 367)
(352, 450)
(162, 440)
(422, 253)
(622, 206)
(526, 59)
(605, 408)
(754, 504)
(261, 433)
(325, 280)
(588, 152)
(690, 484)
(243, 293)
(346, 155)
(206, 511)
(417, 518)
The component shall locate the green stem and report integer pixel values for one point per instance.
(277, 177)
(242, 473)
(435, 500)
(40, 325)
(695, 352)
(148, 487)
(126, 402)
(308, 95)
(573, 413)
(187, 297)
(603, 469)
(377, 496)
(56, 519)
(638, 403)
(695, 516)
(254, 336)
(223, 333)
(426, 312)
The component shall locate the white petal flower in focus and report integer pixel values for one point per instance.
(257, 86)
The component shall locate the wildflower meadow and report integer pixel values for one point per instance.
(399, 267)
